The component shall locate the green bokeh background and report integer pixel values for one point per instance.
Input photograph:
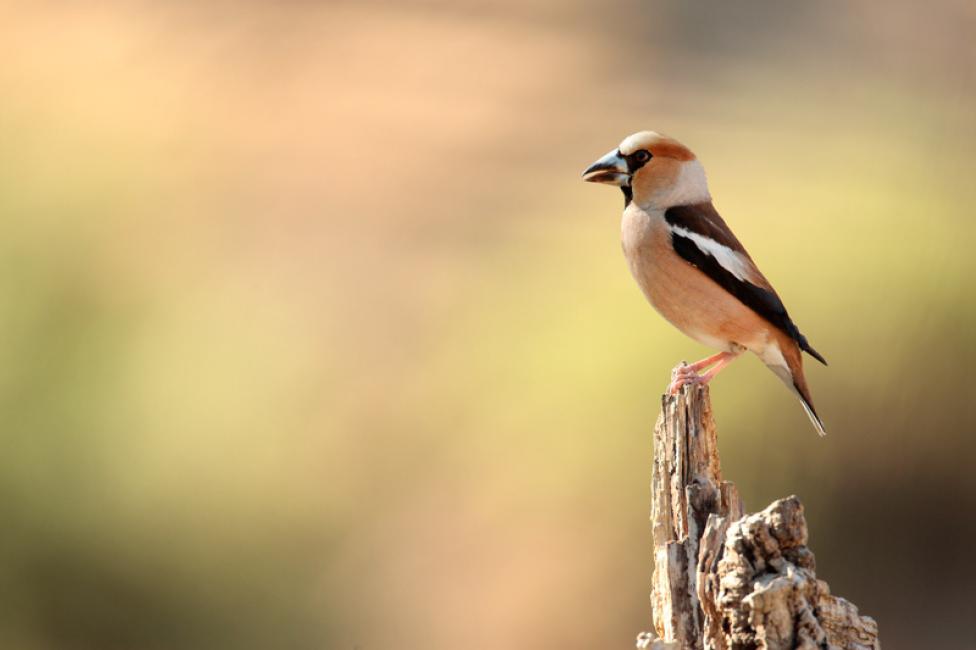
(311, 336)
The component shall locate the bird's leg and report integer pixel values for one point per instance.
(709, 361)
(685, 373)
(728, 358)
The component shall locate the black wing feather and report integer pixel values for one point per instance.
(762, 301)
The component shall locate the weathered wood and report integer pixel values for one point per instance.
(724, 581)
(764, 593)
(647, 641)
(686, 489)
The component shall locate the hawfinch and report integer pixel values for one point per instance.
(693, 270)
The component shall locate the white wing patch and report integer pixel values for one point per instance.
(733, 262)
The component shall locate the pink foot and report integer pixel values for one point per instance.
(683, 374)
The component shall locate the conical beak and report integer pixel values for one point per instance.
(611, 169)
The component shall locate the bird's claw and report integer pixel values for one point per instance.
(682, 374)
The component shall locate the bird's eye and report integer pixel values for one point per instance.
(642, 156)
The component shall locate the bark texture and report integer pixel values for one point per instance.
(724, 581)
(761, 589)
(686, 489)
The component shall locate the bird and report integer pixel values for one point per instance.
(692, 268)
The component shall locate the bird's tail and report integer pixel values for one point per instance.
(811, 412)
(792, 376)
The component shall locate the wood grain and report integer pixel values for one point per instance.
(724, 580)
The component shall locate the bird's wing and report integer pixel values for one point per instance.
(702, 238)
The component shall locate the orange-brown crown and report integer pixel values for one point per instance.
(660, 146)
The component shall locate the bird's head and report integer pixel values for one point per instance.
(653, 170)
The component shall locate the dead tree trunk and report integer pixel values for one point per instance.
(722, 580)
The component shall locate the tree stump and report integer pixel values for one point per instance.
(725, 581)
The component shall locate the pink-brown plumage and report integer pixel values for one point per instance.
(692, 268)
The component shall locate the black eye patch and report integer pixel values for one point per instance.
(637, 160)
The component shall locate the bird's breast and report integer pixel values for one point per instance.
(645, 238)
(680, 292)
(636, 227)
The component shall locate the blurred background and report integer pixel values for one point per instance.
(312, 337)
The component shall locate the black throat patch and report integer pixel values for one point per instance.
(628, 194)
